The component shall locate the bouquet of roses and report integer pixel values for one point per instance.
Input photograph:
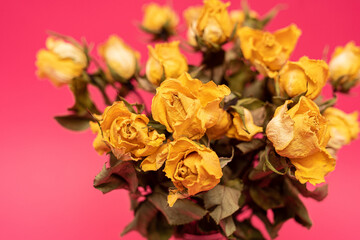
(235, 138)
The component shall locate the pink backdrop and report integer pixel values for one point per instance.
(47, 172)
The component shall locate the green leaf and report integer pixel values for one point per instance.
(238, 80)
(273, 161)
(278, 100)
(128, 105)
(134, 200)
(318, 194)
(120, 175)
(225, 160)
(267, 197)
(259, 171)
(194, 71)
(296, 99)
(139, 108)
(144, 215)
(270, 15)
(228, 226)
(272, 229)
(240, 111)
(159, 228)
(245, 230)
(184, 211)
(157, 126)
(222, 200)
(329, 103)
(256, 89)
(295, 206)
(74, 122)
(250, 103)
(254, 145)
(269, 113)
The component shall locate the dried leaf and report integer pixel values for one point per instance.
(225, 160)
(157, 126)
(267, 197)
(254, 145)
(184, 211)
(245, 230)
(318, 194)
(159, 228)
(144, 215)
(74, 122)
(120, 175)
(228, 226)
(223, 200)
(250, 103)
(240, 110)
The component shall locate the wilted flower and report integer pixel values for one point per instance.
(61, 62)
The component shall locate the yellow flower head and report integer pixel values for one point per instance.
(214, 25)
(127, 133)
(237, 128)
(187, 107)
(60, 62)
(268, 52)
(191, 16)
(343, 127)
(165, 60)
(301, 134)
(304, 75)
(345, 64)
(221, 127)
(119, 57)
(98, 144)
(191, 167)
(158, 17)
(238, 17)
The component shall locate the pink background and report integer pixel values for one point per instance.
(47, 172)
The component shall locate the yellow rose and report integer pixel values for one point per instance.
(221, 127)
(238, 17)
(268, 52)
(214, 25)
(61, 62)
(301, 134)
(98, 144)
(187, 107)
(237, 128)
(343, 127)
(127, 133)
(345, 64)
(158, 18)
(165, 60)
(191, 16)
(192, 168)
(155, 160)
(119, 57)
(304, 75)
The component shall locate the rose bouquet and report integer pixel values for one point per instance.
(234, 138)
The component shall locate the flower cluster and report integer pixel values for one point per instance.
(243, 131)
